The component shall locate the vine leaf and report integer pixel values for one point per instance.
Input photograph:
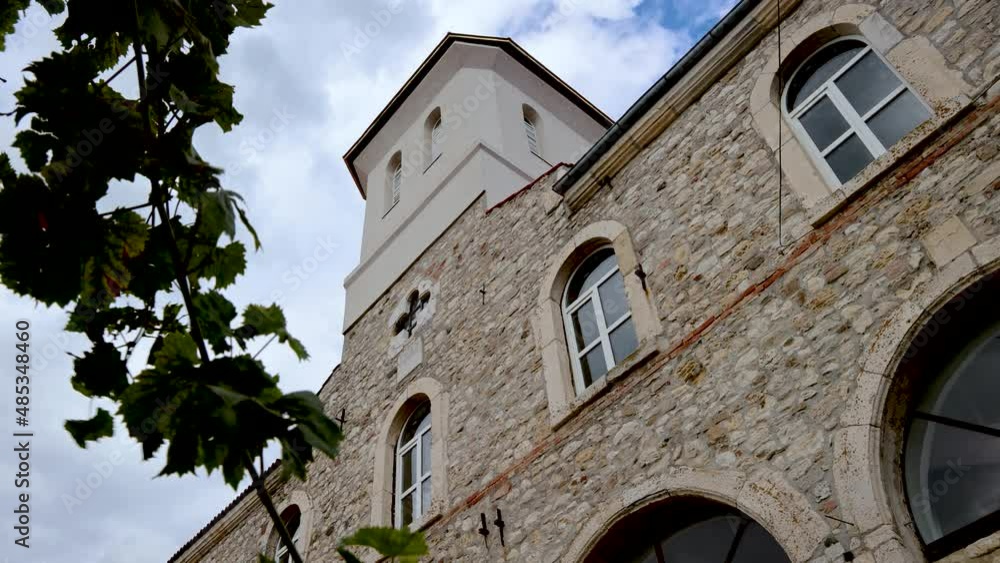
(83, 431)
(259, 321)
(390, 542)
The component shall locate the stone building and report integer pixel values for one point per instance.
(755, 319)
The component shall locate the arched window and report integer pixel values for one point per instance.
(597, 317)
(687, 530)
(413, 467)
(532, 127)
(849, 107)
(433, 136)
(292, 517)
(393, 180)
(951, 456)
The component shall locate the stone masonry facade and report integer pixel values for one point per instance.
(749, 390)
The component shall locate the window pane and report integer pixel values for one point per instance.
(407, 508)
(614, 302)
(425, 496)
(709, 540)
(969, 386)
(824, 123)
(425, 454)
(819, 69)
(952, 477)
(409, 471)
(849, 158)
(898, 118)
(419, 420)
(757, 545)
(867, 83)
(592, 269)
(623, 341)
(593, 365)
(585, 325)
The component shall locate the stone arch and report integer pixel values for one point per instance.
(298, 498)
(548, 323)
(862, 472)
(766, 497)
(419, 390)
(914, 58)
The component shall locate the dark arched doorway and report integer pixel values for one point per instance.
(687, 530)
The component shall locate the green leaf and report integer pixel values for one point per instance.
(406, 545)
(259, 320)
(319, 430)
(348, 556)
(179, 351)
(83, 431)
(225, 264)
(106, 274)
(215, 313)
(101, 372)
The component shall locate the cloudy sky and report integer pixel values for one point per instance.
(309, 81)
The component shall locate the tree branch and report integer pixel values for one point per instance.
(158, 199)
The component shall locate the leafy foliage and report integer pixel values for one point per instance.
(402, 545)
(158, 271)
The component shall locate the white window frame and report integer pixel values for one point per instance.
(281, 550)
(856, 123)
(415, 443)
(604, 330)
(436, 133)
(531, 132)
(397, 182)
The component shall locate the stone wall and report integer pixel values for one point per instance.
(762, 348)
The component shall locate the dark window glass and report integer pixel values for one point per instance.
(867, 83)
(623, 341)
(849, 158)
(593, 365)
(687, 530)
(408, 509)
(415, 422)
(952, 454)
(824, 123)
(819, 69)
(614, 302)
(585, 325)
(897, 118)
(592, 269)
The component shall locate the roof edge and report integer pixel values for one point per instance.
(507, 44)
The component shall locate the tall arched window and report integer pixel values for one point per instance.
(532, 129)
(849, 107)
(951, 456)
(393, 180)
(433, 136)
(687, 530)
(292, 517)
(413, 467)
(597, 318)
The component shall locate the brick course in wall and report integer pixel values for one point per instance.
(760, 355)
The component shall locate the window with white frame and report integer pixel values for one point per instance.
(530, 117)
(849, 107)
(436, 137)
(394, 180)
(293, 520)
(413, 468)
(597, 317)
